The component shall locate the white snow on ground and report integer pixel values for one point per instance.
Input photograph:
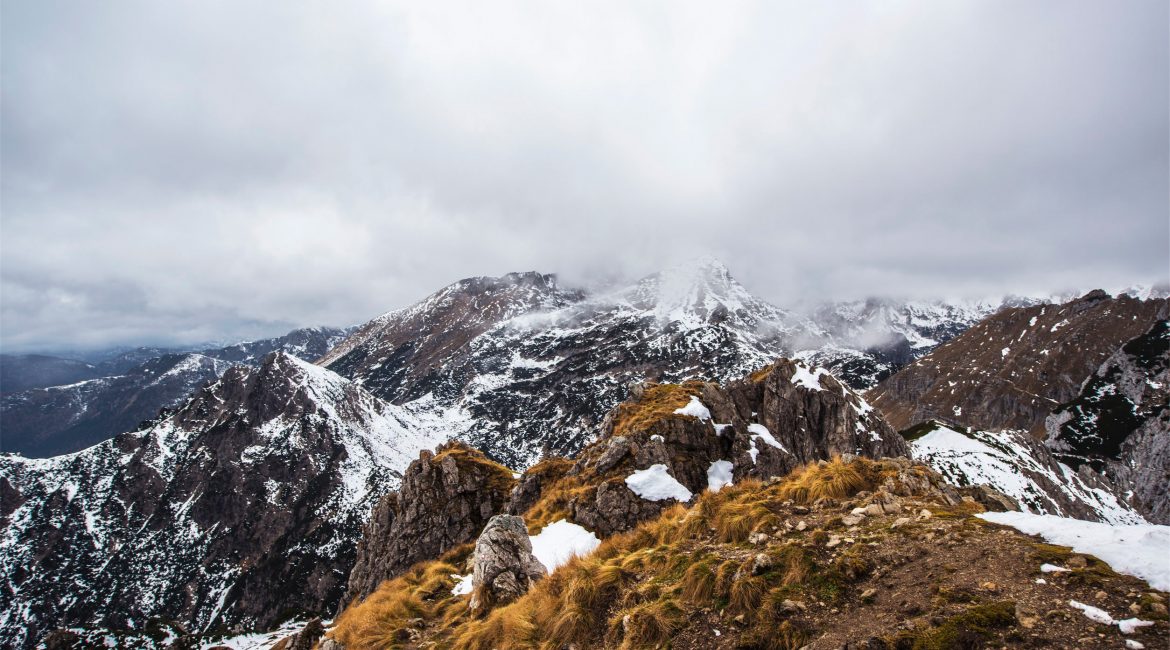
(559, 542)
(811, 380)
(1098, 615)
(998, 459)
(259, 640)
(760, 432)
(463, 585)
(656, 484)
(695, 409)
(1052, 568)
(1137, 550)
(719, 475)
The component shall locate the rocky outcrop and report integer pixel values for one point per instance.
(504, 567)
(1119, 424)
(445, 500)
(306, 639)
(206, 517)
(1012, 369)
(777, 419)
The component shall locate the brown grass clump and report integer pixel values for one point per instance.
(499, 477)
(834, 479)
(648, 625)
(658, 401)
(422, 592)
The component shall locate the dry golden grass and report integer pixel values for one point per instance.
(637, 589)
(658, 401)
(834, 479)
(499, 477)
(422, 592)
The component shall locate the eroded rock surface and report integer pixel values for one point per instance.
(504, 566)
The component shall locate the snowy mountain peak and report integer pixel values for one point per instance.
(700, 292)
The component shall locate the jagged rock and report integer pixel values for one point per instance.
(303, 640)
(530, 485)
(615, 449)
(991, 499)
(614, 508)
(777, 419)
(445, 500)
(505, 567)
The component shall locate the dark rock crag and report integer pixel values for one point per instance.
(445, 500)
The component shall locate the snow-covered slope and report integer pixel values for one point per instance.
(242, 505)
(1021, 467)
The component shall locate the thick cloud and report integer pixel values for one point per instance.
(181, 171)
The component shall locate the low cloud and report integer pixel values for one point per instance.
(182, 171)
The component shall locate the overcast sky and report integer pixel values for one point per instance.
(185, 171)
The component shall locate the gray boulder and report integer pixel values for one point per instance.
(504, 566)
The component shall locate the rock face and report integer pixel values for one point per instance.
(504, 567)
(206, 517)
(1013, 368)
(518, 366)
(1119, 424)
(445, 500)
(115, 398)
(767, 424)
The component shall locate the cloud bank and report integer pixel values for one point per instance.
(181, 171)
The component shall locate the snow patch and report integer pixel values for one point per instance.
(811, 380)
(1137, 550)
(656, 484)
(719, 475)
(559, 542)
(695, 409)
(462, 584)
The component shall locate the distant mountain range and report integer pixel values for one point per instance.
(120, 391)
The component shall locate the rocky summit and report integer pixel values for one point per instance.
(518, 366)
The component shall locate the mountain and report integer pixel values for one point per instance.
(682, 435)
(1119, 424)
(684, 525)
(240, 507)
(24, 371)
(1014, 367)
(63, 419)
(518, 365)
(976, 406)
